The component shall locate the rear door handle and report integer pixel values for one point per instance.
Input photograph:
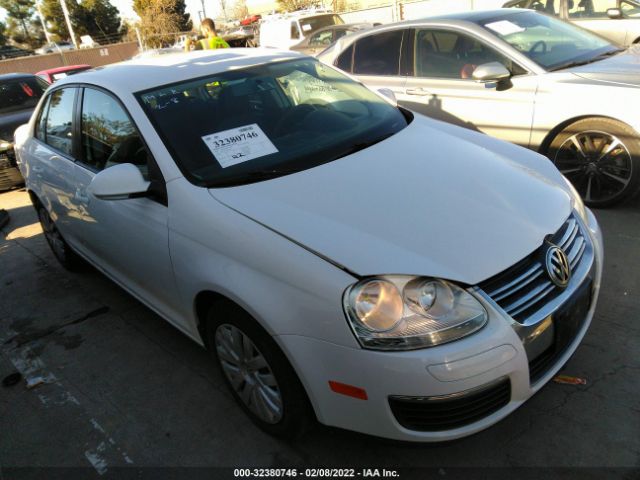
(37, 169)
(416, 91)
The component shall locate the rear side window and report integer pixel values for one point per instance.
(344, 60)
(378, 54)
(108, 134)
(58, 128)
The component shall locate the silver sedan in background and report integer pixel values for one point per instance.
(520, 76)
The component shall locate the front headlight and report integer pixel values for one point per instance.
(405, 312)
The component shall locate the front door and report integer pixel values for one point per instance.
(442, 86)
(592, 15)
(128, 238)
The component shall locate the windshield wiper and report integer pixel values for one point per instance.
(585, 62)
(255, 176)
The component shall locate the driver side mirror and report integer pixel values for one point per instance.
(118, 182)
(614, 13)
(491, 72)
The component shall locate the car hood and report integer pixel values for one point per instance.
(10, 121)
(621, 69)
(431, 200)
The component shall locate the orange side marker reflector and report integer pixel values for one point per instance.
(348, 390)
(568, 380)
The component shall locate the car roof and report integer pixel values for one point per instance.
(15, 76)
(144, 73)
(472, 16)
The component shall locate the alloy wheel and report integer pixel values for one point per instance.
(249, 373)
(598, 164)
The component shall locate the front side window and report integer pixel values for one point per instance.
(20, 94)
(449, 54)
(251, 124)
(345, 59)
(551, 43)
(58, 127)
(378, 54)
(108, 135)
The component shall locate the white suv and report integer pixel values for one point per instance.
(343, 259)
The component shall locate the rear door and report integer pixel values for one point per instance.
(49, 156)
(592, 15)
(377, 60)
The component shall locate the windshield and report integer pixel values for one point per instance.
(247, 125)
(20, 94)
(551, 43)
(311, 24)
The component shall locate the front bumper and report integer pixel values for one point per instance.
(484, 360)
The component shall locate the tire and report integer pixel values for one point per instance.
(228, 329)
(69, 259)
(601, 158)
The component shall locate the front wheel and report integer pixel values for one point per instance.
(258, 373)
(601, 158)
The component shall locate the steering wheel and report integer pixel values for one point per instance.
(295, 115)
(539, 43)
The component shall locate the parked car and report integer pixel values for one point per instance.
(286, 30)
(520, 76)
(9, 51)
(19, 95)
(55, 47)
(617, 20)
(342, 258)
(53, 74)
(86, 41)
(323, 38)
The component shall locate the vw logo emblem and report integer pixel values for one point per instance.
(557, 265)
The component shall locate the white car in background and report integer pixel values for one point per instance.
(55, 47)
(342, 258)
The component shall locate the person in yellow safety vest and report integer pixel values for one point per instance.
(210, 41)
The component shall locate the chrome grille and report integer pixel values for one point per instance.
(525, 288)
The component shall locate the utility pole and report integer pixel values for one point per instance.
(63, 3)
(44, 24)
(204, 12)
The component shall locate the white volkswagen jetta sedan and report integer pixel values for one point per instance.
(342, 258)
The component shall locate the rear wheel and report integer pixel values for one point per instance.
(61, 250)
(601, 158)
(257, 372)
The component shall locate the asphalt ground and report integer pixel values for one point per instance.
(122, 388)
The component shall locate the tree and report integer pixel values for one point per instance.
(97, 18)
(159, 19)
(34, 36)
(293, 5)
(3, 38)
(21, 11)
(240, 10)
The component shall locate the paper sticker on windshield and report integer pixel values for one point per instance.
(504, 27)
(239, 145)
(306, 27)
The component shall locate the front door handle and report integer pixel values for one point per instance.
(416, 91)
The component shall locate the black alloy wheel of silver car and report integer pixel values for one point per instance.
(60, 248)
(601, 158)
(256, 371)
